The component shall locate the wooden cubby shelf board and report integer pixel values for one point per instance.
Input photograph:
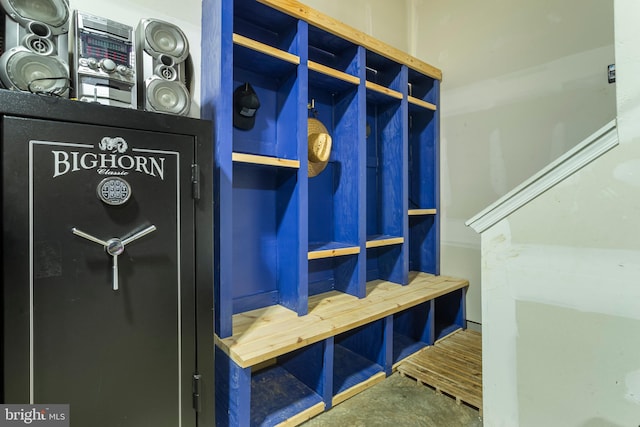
(383, 90)
(265, 48)
(265, 160)
(269, 332)
(331, 249)
(421, 103)
(379, 241)
(418, 212)
(323, 69)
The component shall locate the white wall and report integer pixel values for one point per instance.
(186, 14)
(561, 300)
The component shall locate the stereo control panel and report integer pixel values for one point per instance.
(103, 61)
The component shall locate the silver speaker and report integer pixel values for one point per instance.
(35, 46)
(162, 50)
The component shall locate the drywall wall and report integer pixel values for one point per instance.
(186, 14)
(523, 82)
(560, 295)
(383, 19)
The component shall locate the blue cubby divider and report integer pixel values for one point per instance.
(423, 244)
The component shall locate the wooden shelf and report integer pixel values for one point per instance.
(265, 160)
(265, 333)
(266, 49)
(383, 90)
(323, 69)
(379, 241)
(331, 249)
(418, 212)
(421, 103)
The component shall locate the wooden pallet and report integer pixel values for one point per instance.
(453, 366)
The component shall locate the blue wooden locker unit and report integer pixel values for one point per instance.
(323, 283)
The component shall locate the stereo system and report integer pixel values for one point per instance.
(103, 61)
(47, 49)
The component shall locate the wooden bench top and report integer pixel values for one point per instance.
(262, 334)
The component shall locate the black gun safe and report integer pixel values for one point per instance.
(107, 262)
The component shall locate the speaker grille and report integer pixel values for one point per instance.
(26, 71)
(167, 39)
(39, 45)
(50, 12)
(168, 97)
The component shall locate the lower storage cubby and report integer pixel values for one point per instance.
(281, 368)
(359, 359)
(412, 330)
(449, 313)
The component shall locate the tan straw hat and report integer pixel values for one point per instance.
(318, 145)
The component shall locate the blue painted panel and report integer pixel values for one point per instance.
(329, 351)
(217, 28)
(449, 313)
(232, 391)
(277, 396)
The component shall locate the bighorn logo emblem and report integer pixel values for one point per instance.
(114, 145)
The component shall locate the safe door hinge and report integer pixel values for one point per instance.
(197, 402)
(195, 181)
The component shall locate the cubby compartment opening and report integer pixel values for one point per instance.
(449, 313)
(359, 356)
(274, 133)
(333, 194)
(384, 72)
(386, 263)
(291, 385)
(423, 159)
(266, 25)
(338, 273)
(265, 238)
(423, 244)
(412, 330)
(422, 87)
(334, 52)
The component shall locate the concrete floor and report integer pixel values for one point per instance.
(398, 402)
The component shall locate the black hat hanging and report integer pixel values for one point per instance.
(245, 106)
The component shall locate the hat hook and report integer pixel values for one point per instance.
(312, 107)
